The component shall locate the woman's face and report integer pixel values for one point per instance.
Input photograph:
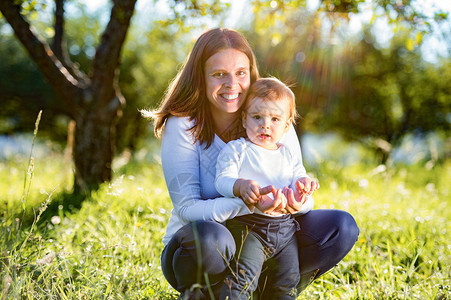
(227, 80)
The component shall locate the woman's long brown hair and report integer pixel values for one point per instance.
(186, 95)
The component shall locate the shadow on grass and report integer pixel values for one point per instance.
(65, 203)
(60, 204)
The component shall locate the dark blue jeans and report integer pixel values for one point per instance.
(202, 256)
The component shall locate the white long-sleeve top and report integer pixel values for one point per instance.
(190, 170)
(243, 159)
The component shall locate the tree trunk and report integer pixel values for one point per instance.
(94, 144)
(93, 151)
(94, 102)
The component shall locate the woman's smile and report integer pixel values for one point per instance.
(230, 97)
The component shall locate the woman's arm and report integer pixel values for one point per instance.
(180, 159)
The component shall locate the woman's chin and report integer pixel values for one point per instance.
(231, 108)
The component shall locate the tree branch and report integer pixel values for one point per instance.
(58, 38)
(107, 56)
(65, 85)
(59, 46)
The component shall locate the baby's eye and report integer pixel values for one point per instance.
(256, 117)
(274, 119)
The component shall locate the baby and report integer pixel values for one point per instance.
(252, 167)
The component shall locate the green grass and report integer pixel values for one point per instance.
(110, 247)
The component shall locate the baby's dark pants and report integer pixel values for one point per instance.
(259, 238)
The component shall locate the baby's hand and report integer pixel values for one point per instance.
(274, 206)
(305, 185)
(247, 190)
(294, 200)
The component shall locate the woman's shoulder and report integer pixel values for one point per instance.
(291, 140)
(285, 150)
(177, 129)
(179, 122)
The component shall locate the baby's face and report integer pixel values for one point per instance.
(266, 121)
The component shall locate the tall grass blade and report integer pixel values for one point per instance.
(30, 170)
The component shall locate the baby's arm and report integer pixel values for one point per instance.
(227, 169)
(229, 184)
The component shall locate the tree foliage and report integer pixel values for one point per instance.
(93, 99)
(365, 90)
(392, 93)
(372, 93)
(23, 92)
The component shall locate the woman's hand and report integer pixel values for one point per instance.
(272, 206)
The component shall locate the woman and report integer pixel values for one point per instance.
(197, 117)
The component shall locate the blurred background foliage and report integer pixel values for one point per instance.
(345, 81)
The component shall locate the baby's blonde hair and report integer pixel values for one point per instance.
(272, 89)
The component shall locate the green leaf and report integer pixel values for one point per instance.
(410, 44)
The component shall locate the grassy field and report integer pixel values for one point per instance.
(109, 248)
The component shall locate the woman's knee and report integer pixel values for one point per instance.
(347, 226)
(325, 225)
(216, 243)
(214, 235)
(326, 236)
(346, 234)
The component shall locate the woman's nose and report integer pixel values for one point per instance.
(230, 82)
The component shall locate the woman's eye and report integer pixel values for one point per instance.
(275, 119)
(241, 73)
(219, 75)
(257, 117)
